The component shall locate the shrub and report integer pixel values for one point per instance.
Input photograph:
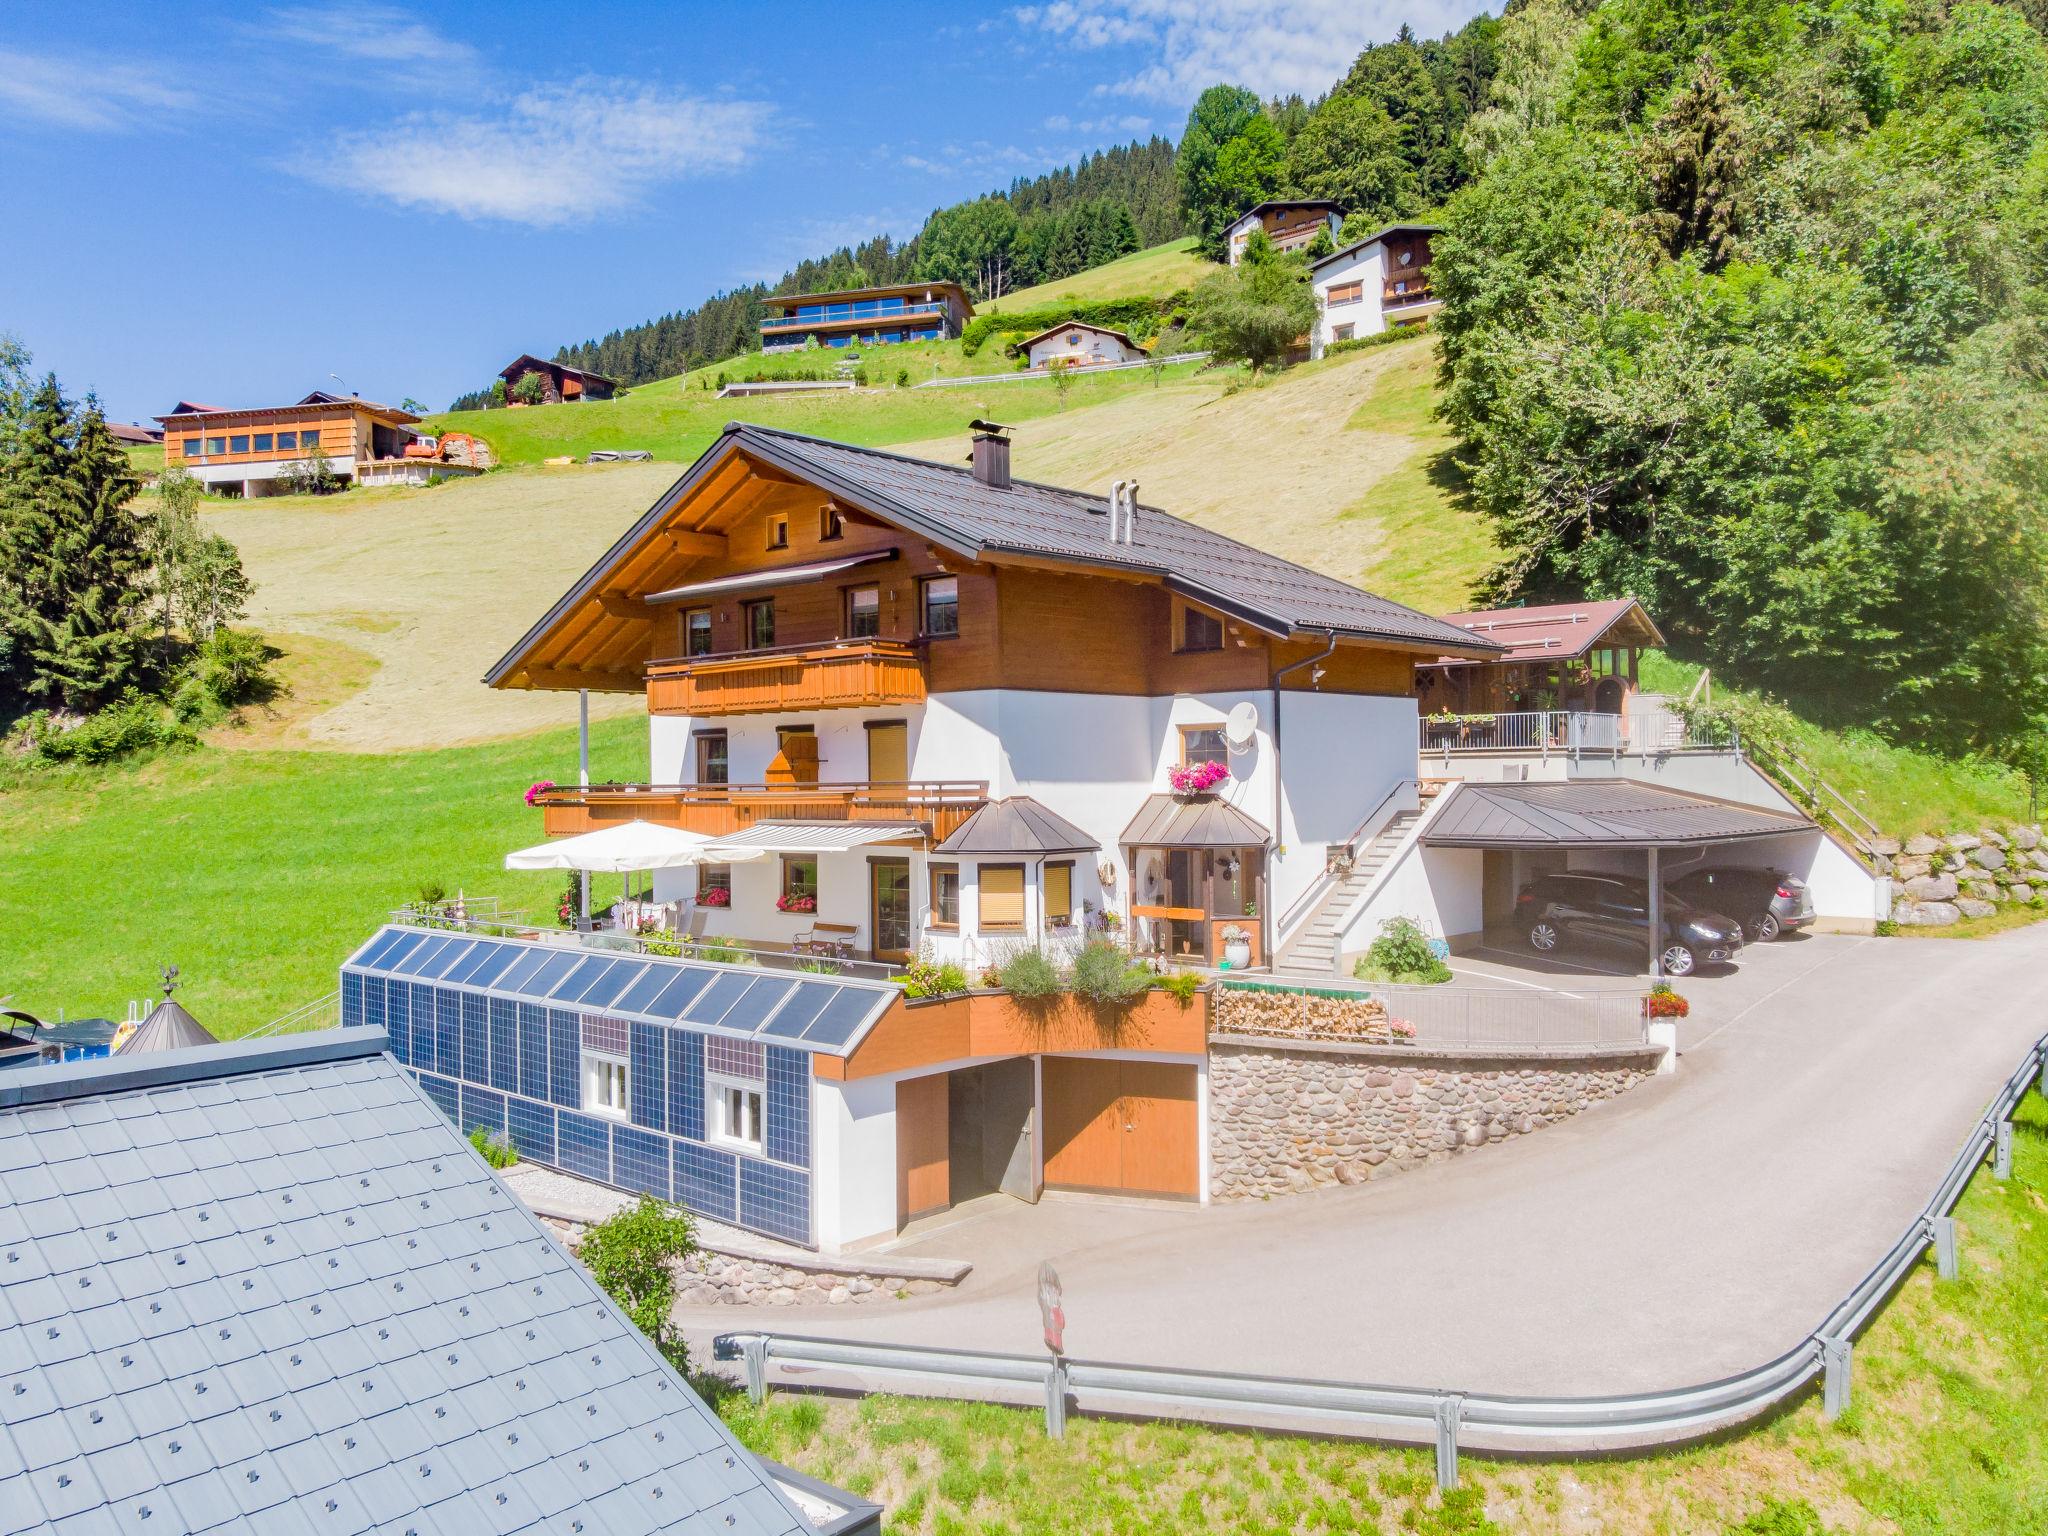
(1402, 954)
(1029, 974)
(1183, 985)
(722, 948)
(530, 389)
(134, 724)
(492, 1147)
(1386, 338)
(632, 1255)
(228, 669)
(1105, 975)
(903, 378)
(927, 978)
(1119, 314)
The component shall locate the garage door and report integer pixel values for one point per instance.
(1121, 1127)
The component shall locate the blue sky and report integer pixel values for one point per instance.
(232, 203)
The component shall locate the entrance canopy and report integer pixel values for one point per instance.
(766, 837)
(1016, 825)
(1195, 821)
(625, 849)
(1602, 813)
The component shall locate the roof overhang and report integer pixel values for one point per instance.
(1615, 814)
(771, 576)
(1192, 821)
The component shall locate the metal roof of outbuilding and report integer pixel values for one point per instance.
(266, 1286)
(168, 1028)
(1597, 813)
(1017, 825)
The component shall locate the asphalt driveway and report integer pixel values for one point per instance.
(1696, 1226)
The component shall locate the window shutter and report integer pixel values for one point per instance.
(1002, 897)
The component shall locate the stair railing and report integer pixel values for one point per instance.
(1818, 796)
(1340, 858)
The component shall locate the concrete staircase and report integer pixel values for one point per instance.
(1315, 951)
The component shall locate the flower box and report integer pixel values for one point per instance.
(717, 896)
(1197, 778)
(796, 903)
(535, 791)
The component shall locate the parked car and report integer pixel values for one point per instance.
(1768, 902)
(1560, 911)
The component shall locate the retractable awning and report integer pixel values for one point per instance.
(621, 850)
(806, 837)
(773, 576)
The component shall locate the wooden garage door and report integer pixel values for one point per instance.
(1127, 1127)
(923, 1169)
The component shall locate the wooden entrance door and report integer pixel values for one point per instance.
(1124, 1127)
(889, 908)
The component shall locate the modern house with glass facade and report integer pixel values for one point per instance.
(252, 452)
(866, 316)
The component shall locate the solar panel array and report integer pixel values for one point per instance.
(813, 1013)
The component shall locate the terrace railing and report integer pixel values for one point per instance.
(706, 948)
(1545, 733)
(719, 810)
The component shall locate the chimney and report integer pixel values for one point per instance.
(991, 455)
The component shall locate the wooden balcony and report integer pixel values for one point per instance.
(846, 674)
(719, 810)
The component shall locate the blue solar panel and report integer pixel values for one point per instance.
(550, 974)
(644, 991)
(587, 971)
(450, 959)
(480, 1107)
(504, 1044)
(677, 995)
(529, 961)
(533, 1051)
(532, 1129)
(718, 998)
(604, 991)
(706, 1181)
(647, 1082)
(787, 1125)
(775, 1200)
(640, 1161)
(758, 1003)
(565, 1056)
(351, 1000)
(398, 1020)
(380, 948)
(465, 968)
(429, 950)
(586, 1145)
(795, 1016)
(495, 964)
(839, 1018)
(685, 1083)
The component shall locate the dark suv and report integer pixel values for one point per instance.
(1558, 911)
(1769, 902)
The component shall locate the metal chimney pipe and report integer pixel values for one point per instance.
(1130, 511)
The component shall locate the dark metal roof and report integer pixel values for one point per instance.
(1597, 813)
(168, 1028)
(1017, 825)
(1328, 204)
(273, 1290)
(543, 363)
(1192, 821)
(1356, 246)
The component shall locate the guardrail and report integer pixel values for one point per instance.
(321, 1013)
(1018, 375)
(1569, 733)
(1650, 1419)
(711, 949)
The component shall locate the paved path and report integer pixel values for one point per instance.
(1697, 1226)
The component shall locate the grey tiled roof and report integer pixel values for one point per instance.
(267, 1288)
(1607, 813)
(947, 502)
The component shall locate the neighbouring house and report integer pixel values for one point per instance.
(256, 452)
(559, 382)
(867, 316)
(1374, 283)
(272, 1289)
(1559, 656)
(1078, 344)
(1289, 225)
(134, 433)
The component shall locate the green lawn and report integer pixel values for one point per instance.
(1154, 273)
(1903, 791)
(258, 872)
(678, 423)
(147, 458)
(1948, 1434)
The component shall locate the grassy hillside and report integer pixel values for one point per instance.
(1156, 272)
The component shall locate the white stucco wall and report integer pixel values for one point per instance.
(1367, 266)
(1087, 347)
(853, 1135)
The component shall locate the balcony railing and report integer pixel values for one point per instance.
(841, 313)
(719, 810)
(1570, 733)
(848, 674)
(1390, 298)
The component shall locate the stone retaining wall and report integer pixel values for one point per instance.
(1287, 1116)
(1941, 880)
(716, 1277)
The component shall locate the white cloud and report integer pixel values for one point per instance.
(555, 154)
(1304, 46)
(87, 97)
(1127, 123)
(375, 32)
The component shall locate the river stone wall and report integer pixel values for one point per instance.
(1941, 880)
(1288, 1116)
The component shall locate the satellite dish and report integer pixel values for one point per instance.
(1241, 725)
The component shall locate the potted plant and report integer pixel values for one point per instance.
(535, 791)
(1197, 778)
(715, 896)
(1237, 948)
(796, 903)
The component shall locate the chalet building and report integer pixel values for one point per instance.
(134, 434)
(1289, 225)
(1078, 344)
(250, 452)
(1563, 656)
(1374, 283)
(559, 382)
(866, 316)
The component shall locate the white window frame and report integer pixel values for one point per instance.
(717, 1122)
(607, 1078)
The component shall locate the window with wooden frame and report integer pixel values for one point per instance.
(697, 632)
(945, 896)
(939, 606)
(1000, 898)
(1341, 333)
(760, 623)
(216, 445)
(1196, 630)
(713, 765)
(863, 612)
(191, 447)
(287, 442)
(830, 524)
(1203, 744)
(778, 531)
(714, 885)
(1345, 293)
(800, 877)
(1059, 893)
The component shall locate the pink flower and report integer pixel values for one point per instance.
(1198, 778)
(534, 793)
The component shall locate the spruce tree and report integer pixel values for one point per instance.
(1695, 159)
(73, 567)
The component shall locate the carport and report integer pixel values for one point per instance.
(1601, 824)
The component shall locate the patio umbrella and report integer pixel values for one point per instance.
(620, 850)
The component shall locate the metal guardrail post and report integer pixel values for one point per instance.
(2001, 1151)
(1834, 1359)
(1056, 1398)
(1450, 1412)
(1944, 1234)
(754, 1352)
